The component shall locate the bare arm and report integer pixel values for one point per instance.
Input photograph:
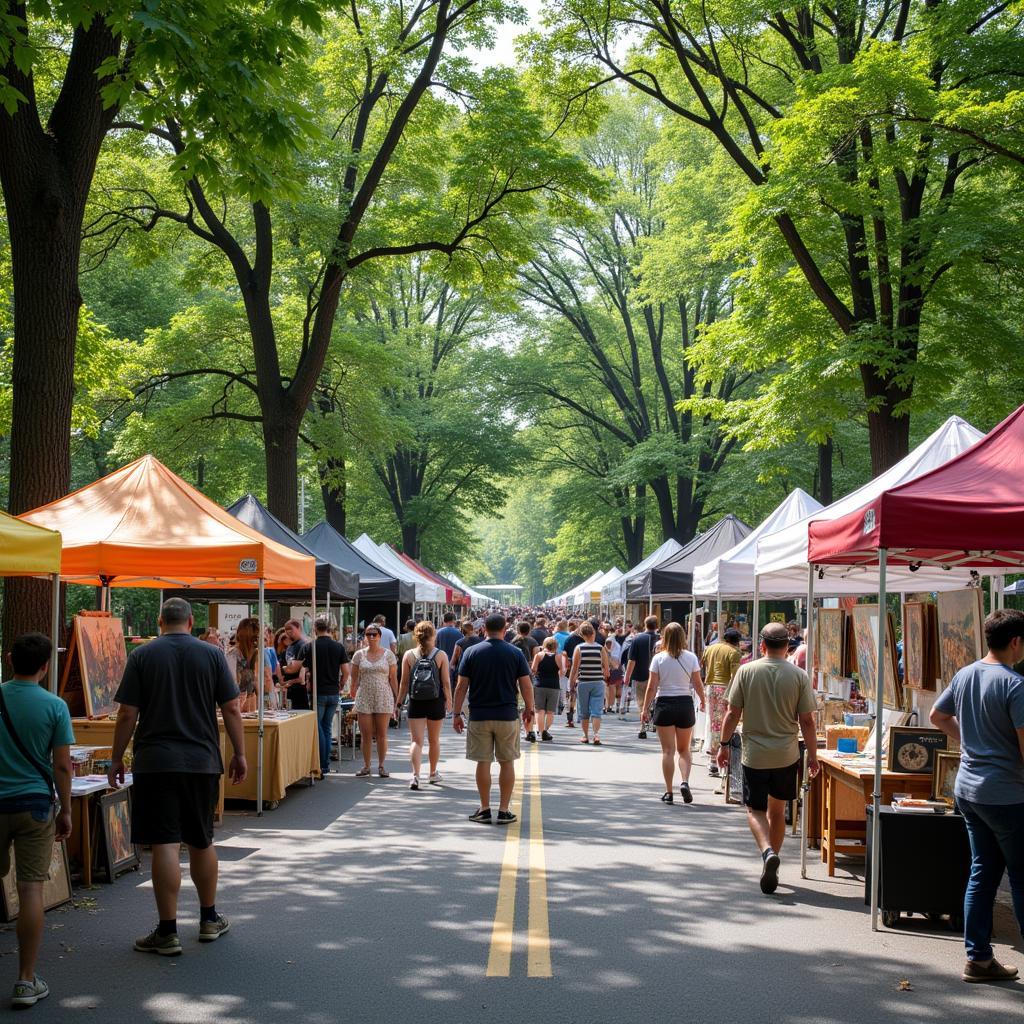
(446, 679)
(949, 725)
(127, 717)
(232, 713)
(393, 679)
(605, 665)
(354, 677)
(810, 741)
(460, 696)
(649, 695)
(575, 670)
(729, 724)
(698, 685)
(62, 780)
(526, 689)
(403, 687)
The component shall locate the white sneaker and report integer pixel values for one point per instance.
(28, 993)
(435, 778)
(415, 784)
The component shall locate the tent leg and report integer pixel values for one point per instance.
(720, 625)
(805, 787)
(398, 617)
(650, 605)
(316, 710)
(259, 707)
(755, 620)
(810, 626)
(693, 620)
(355, 622)
(876, 796)
(55, 631)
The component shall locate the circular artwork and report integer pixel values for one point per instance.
(912, 757)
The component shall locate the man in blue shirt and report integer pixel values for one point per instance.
(448, 635)
(983, 710)
(31, 769)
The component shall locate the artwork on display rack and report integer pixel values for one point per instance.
(919, 656)
(829, 643)
(914, 750)
(116, 853)
(960, 631)
(865, 638)
(102, 656)
(947, 764)
(56, 890)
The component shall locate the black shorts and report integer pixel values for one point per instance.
(431, 710)
(674, 711)
(761, 783)
(174, 807)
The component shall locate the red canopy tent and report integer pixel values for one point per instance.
(967, 513)
(452, 595)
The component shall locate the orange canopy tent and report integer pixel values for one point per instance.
(143, 526)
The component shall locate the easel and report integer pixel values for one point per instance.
(71, 687)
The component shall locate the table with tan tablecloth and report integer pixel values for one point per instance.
(291, 752)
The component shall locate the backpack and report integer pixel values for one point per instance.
(426, 679)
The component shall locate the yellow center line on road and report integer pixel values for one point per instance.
(538, 957)
(499, 963)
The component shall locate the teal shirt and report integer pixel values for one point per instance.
(42, 722)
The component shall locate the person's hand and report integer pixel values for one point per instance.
(63, 826)
(813, 766)
(723, 756)
(447, 707)
(238, 769)
(528, 714)
(645, 716)
(115, 774)
(458, 724)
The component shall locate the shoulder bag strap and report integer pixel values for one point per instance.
(23, 750)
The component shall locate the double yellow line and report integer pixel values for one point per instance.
(538, 935)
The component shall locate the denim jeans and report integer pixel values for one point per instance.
(996, 832)
(325, 711)
(590, 700)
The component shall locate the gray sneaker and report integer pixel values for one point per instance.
(211, 931)
(165, 945)
(28, 993)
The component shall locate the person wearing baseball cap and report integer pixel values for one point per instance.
(775, 701)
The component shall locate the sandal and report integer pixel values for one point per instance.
(383, 772)
(666, 798)
(597, 742)
(362, 773)
(583, 739)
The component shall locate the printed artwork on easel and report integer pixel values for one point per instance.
(960, 631)
(96, 658)
(829, 646)
(865, 632)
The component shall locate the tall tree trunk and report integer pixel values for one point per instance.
(824, 474)
(888, 434)
(281, 441)
(411, 539)
(332, 489)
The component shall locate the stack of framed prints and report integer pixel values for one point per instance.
(865, 638)
(920, 645)
(56, 891)
(961, 639)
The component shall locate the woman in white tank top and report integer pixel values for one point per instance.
(675, 677)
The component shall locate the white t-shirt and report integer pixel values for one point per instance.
(674, 674)
(387, 638)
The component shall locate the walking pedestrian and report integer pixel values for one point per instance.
(613, 691)
(169, 696)
(35, 768)
(771, 696)
(720, 662)
(674, 678)
(561, 634)
(387, 639)
(540, 632)
(292, 670)
(573, 641)
(587, 677)
(528, 645)
(547, 669)
(426, 681)
(406, 642)
(490, 675)
(332, 672)
(638, 667)
(983, 710)
(375, 696)
(448, 635)
(469, 638)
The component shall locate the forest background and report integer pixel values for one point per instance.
(523, 320)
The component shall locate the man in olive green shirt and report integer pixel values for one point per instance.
(772, 696)
(720, 662)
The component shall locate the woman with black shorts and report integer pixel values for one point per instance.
(675, 675)
(425, 715)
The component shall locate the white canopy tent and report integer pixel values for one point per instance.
(616, 590)
(476, 597)
(597, 586)
(580, 595)
(382, 556)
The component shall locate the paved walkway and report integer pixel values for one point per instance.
(359, 900)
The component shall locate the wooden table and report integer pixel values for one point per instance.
(82, 792)
(845, 789)
(291, 752)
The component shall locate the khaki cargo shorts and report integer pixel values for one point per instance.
(493, 741)
(33, 845)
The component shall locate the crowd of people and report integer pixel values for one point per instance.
(516, 672)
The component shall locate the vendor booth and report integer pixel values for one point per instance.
(425, 591)
(143, 526)
(615, 593)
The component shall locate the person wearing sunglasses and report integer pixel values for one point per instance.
(375, 692)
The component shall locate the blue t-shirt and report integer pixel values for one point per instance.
(561, 636)
(446, 639)
(270, 657)
(988, 702)
(42, 722)
(494, 669)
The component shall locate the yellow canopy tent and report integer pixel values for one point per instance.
(27, 550)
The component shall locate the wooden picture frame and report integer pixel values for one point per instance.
(913, 750)
(960, 635)
(828, 648)
(947, 764)
(865, 632)
(116, 853)
(56, 890)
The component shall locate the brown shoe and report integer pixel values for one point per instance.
(977, 970)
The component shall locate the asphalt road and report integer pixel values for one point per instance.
(360, 900)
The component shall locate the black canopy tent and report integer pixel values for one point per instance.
(374, 583)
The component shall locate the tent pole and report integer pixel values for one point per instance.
(755, 624)
(810, 626)
(259, 708)
(720, 627)
(810, 669)
(398, 618)
(693, 620)
(55, 631)
(355, 622)
(650, 604)
(316, 710)
(876, 796)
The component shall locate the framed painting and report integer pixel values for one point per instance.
(960, 631)
(102, 657)
(56, 890)
(829, 645)
(865, 638)
(914, 750)
(947, 764)
(116, 853)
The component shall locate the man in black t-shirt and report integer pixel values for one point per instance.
(572, 642)
(292, 667)
(540, 632)
(490, 674)
(638, 668)
(470, 638)
(170, 690)
(331, 677)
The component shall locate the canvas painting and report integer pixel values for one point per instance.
(914, 645)
(102, 657)
(829, 647)
(865, 633)
(944, 776)
(120, 853)
(960, 631)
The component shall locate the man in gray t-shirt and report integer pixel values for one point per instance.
(983, 710)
